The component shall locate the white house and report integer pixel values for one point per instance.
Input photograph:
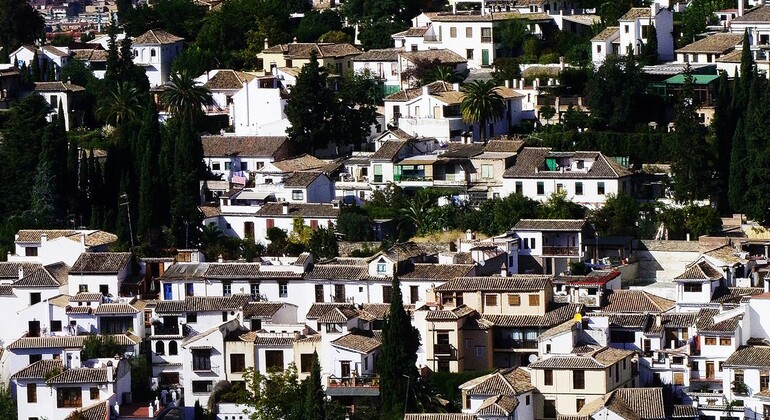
(697, 285)
(242, 155)
(632, 32)
(282, 215)
(258, 108)
(58, 56)
(587, 178)
(52, 246)
(61, 94)
(548, 246)
(155, 51)
(223, 85)
(383, 65)
(709, 49)
(101, 272)
(508, 392)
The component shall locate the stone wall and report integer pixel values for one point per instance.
(663, 260)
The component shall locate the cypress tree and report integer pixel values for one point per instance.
(82, 206)
(185, 217)
(34, 68)
(315, 399)
(400, 342)
(757, 178)
(651, 47)
(724, 130)
(150, 216)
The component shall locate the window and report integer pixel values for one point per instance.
(274, 360)
(526, 400)
(479, 351)
(387, 292)
(453, 32)
(548, 377)
(739, 375)
(30, 251)
(192, 317)
(256, 324)
(201, 359)
(693, 287)
(549, 409)
(381, 267)
(202, 387)
(645, 31)
(31, 393)
(306, 362)
(467, 402)
(725, 341)
(578, 379)
(764, 380)
(189, 289)
(378, 168)
(314, 224)
(579, 403)
(104, 289)
(55, 326)
(487, 171)
(599, 49)
(600, 188)
(244, 166)
(227, 289)
(254, 287)
(237, 362)
(414, 294)
(711, 341)
(93, 393)
(560, 188)
(519, 187)
(532, 243)
(578, 188)
(514, 299)
(169, 378)
(339, 293)
(534, 300)
(297, 195)
(283, 289)
(414, 47)
(678, 378)
(34, 298)
(269, 223)
(215, 166)
(35, 358)
(469, 32)
(540, 188)
(69, 398)
(626, 28)
(83, 288)
(486, 35)
(228, 165)
(469, 54)
(224, 316)
(490, 300)
(173, 348)
(160, 348)
(617, 373)
(319, 293)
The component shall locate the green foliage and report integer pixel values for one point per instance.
(377, 34)
(364, 251)
(323, 243)
(446, 384)
(62, 40)
(141, 370)
(558, 206)
(617, 217)
(336, 37)
(100, 346)
(184, 98)
(696, 16)
(703, 220)
(400, 341)
(19, 24)
(354, 224)
(315, 399)
(194, 60)
(215, 243)
(482, 104)
(316, 23)
(613, 94)
(510, 35)
(650, 51)
(276, 395)
(179, 17)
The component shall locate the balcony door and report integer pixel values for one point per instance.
(345, 369)
(709, 370)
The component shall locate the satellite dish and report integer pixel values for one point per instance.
(532, 358)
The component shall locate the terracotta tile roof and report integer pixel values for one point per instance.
(553, 317)
(10, 270)
(401, 252)
(244, 146)
(86, 297)
(81, 376)
(98, 411)
(442, 56)
(439, 416)
(93, 238)
(757, 14)
(504, 146)
(156, 37)
(550, 224)
(749, 356)
(227, 79)
(436, 271)
(541, 71)
(261, 309)
(498, 406)
(719, 43)
(358, 341)
(82, 310)
(462, 151)
(640, 321)
(449, 314)
(376, 310)
(679, 319)
(731, 57)
(700, 271)
(301, 179)
(598, 359)
(273, 341)
(728, 325)
(530, 163)
(338, 315)
(70, 341)
(100, 262)
(476, 17)
(434, 88)
(209, 210)
(386, 54)
(412, 32)
(115, 308)
(338, 272)
(518, 282)
(52, 275)
(203, 304)
(54, 51)
(636, 12)
(565, 326)
(38, 370)
(319, 309)
(6, 290)
(232, 270)
(647, 403)
(389, 150)
(322, 50)
(735, 294)
(508, 382)
(299, 210)
(681, 411)
(623, 301)
(57, 87)
(90, 54)
(300, 163)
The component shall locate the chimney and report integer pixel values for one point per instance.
(110, 374)
(522, 83)
(561, 62)
(456, 87)
(43, 239)
(508, 83)
(220, 258)
(285, 207)
(425, 90)
(21, 272)
(295, 39)
(740, 7)
(468, 235)
(266, 45)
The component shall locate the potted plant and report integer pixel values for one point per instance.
(739, 387)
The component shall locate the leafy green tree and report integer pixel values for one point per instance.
(323, 243)
(310, 108)
(185, 99)
(315, 399)
(618, 216)
(703, 220)
(442, 74)
(738, 170)
(511, 34)
(19, 24)
(693, 158)
(179, 17)
(482, 104)
(7, 404)
(315, 23)
(336, 37)
(152, 200)
(377, 34)
(723, 128)
(498, 216)
(354, 224)
(613, 94)
(35, 68)
(97, 346)
(558, 206)
(120, 105)
(194, 60)
(396, 365)
(697, 15)
(276, 395)
(756, 202)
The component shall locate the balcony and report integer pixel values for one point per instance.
(206, 369)
(161, 329)
(509, 343)
(358, 386)
(445, 351)
(561, 251)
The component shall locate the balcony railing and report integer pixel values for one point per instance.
(445, 350)
(561, 250)
(166, 330)
(351, 381)
(509, 343)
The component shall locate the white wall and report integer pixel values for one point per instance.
(259, 111)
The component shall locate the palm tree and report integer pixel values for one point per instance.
(185, 98)
(443, 74)
(482, 104)
(121, 104)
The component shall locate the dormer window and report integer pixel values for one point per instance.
(381, 267)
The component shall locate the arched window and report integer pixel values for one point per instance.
(160, 348)
(172, 348)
